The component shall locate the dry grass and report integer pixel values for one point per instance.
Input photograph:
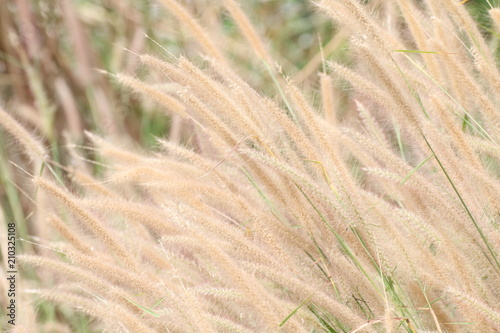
(364, 198)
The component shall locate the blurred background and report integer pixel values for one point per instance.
(55, 60)
(51, 51)
(55, 57)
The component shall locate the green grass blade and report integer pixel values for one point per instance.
(293, 312)
(415, 170)
(282, 94)
(268, 202)
(483, 236)
(154, 314)
(479, 128)
(413, 91)
(400, 141)
(341, 241)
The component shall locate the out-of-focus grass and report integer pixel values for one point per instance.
(62, 43)
(51, 53)
(479, 10)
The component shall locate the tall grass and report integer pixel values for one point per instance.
(362, 198)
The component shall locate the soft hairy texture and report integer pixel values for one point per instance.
(278, 215)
